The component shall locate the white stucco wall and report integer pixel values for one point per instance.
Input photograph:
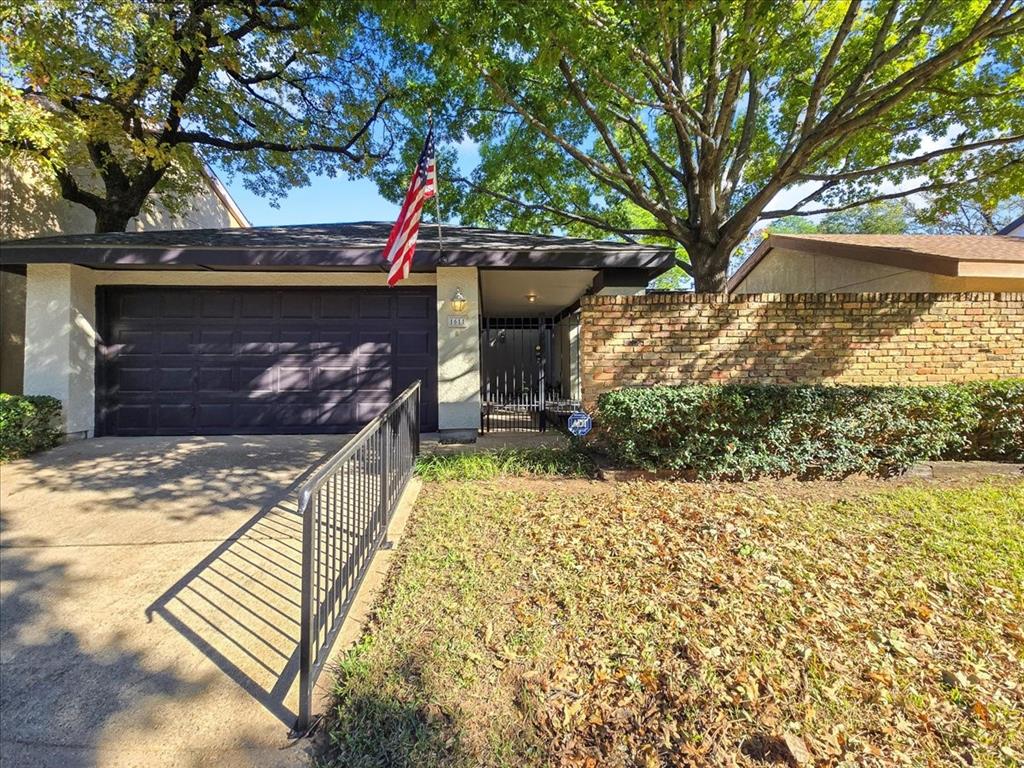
(458, 351)
(61, 339)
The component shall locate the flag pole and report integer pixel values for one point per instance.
(437, 192)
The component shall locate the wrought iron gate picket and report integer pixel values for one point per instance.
(520, 378)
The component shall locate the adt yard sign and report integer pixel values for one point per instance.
(579, 423)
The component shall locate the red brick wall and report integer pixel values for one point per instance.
(895, 338)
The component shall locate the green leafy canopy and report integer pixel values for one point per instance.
(132, 91)
(684, 121)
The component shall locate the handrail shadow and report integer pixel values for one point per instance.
(240, 605)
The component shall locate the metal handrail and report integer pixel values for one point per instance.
(349, 448)
(346, 506)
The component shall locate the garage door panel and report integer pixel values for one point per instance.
(414, 307)
(377, 379)
(338, 414)
(133, 307)
(180, 305)
(175, 379)
(216, 379)
(298, 305)
(334, 378)
(257, 305)
(175, 342)
(251, 415)
(256, 360)
(134, 339)
(337, 306)
(295, 379)
(259, 379)
(135, 417)
(216, 342)
(372, 308)
(175, 415)
(414, 342)
(135, 379)
(259, 341)
(217, 304)
(300, 341)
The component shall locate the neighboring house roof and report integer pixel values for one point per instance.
(355, 246)
(218, 188)
(953, 255)
(1014, 225)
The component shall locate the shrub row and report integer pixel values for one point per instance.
(746, 431)
(28, 423)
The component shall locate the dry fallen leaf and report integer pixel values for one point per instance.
(797, 749)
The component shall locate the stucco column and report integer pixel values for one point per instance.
(60, 341)
(458, 352)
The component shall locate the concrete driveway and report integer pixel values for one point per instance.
(149, 602)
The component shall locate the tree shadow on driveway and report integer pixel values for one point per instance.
(59, 695)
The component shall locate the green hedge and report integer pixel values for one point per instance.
(745, 431)
(28, 424)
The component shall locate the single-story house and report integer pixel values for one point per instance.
(785, 263)
(292, 329)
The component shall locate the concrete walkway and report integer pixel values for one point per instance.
(149, 602)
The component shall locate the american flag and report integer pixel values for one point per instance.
(402, 241)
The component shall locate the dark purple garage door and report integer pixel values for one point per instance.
(208, 361)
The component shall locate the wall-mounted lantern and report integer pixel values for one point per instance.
(458, 302)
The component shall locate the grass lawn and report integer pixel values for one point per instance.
(571, 622)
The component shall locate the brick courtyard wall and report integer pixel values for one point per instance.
(895, 338)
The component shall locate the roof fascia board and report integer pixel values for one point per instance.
(748, 265)
(161, 257)
(1012, 226)
(991, 269)
(895, 257)
(222, 194)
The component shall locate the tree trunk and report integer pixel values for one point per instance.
(710, 266)
(112, 220)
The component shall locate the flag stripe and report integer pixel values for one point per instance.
(401, 244)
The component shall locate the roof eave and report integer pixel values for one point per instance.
(341, 259)
(1018, 222)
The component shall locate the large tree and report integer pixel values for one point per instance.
(115, 98)
(689, 121)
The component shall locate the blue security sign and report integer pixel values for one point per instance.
(580, 423)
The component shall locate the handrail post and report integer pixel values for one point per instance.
(306, 622)
(385, 484)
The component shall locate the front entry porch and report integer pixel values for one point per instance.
(529, 371)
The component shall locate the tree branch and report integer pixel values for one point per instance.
(626, 232)
(935, 186)
(910, 161)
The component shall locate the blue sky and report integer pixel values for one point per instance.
(328, 200)
(325, 200)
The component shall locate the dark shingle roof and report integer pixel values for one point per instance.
(350, 245)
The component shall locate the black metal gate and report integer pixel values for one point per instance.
(524, 380)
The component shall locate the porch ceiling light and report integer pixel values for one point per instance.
(458, 302)
(531, 297)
